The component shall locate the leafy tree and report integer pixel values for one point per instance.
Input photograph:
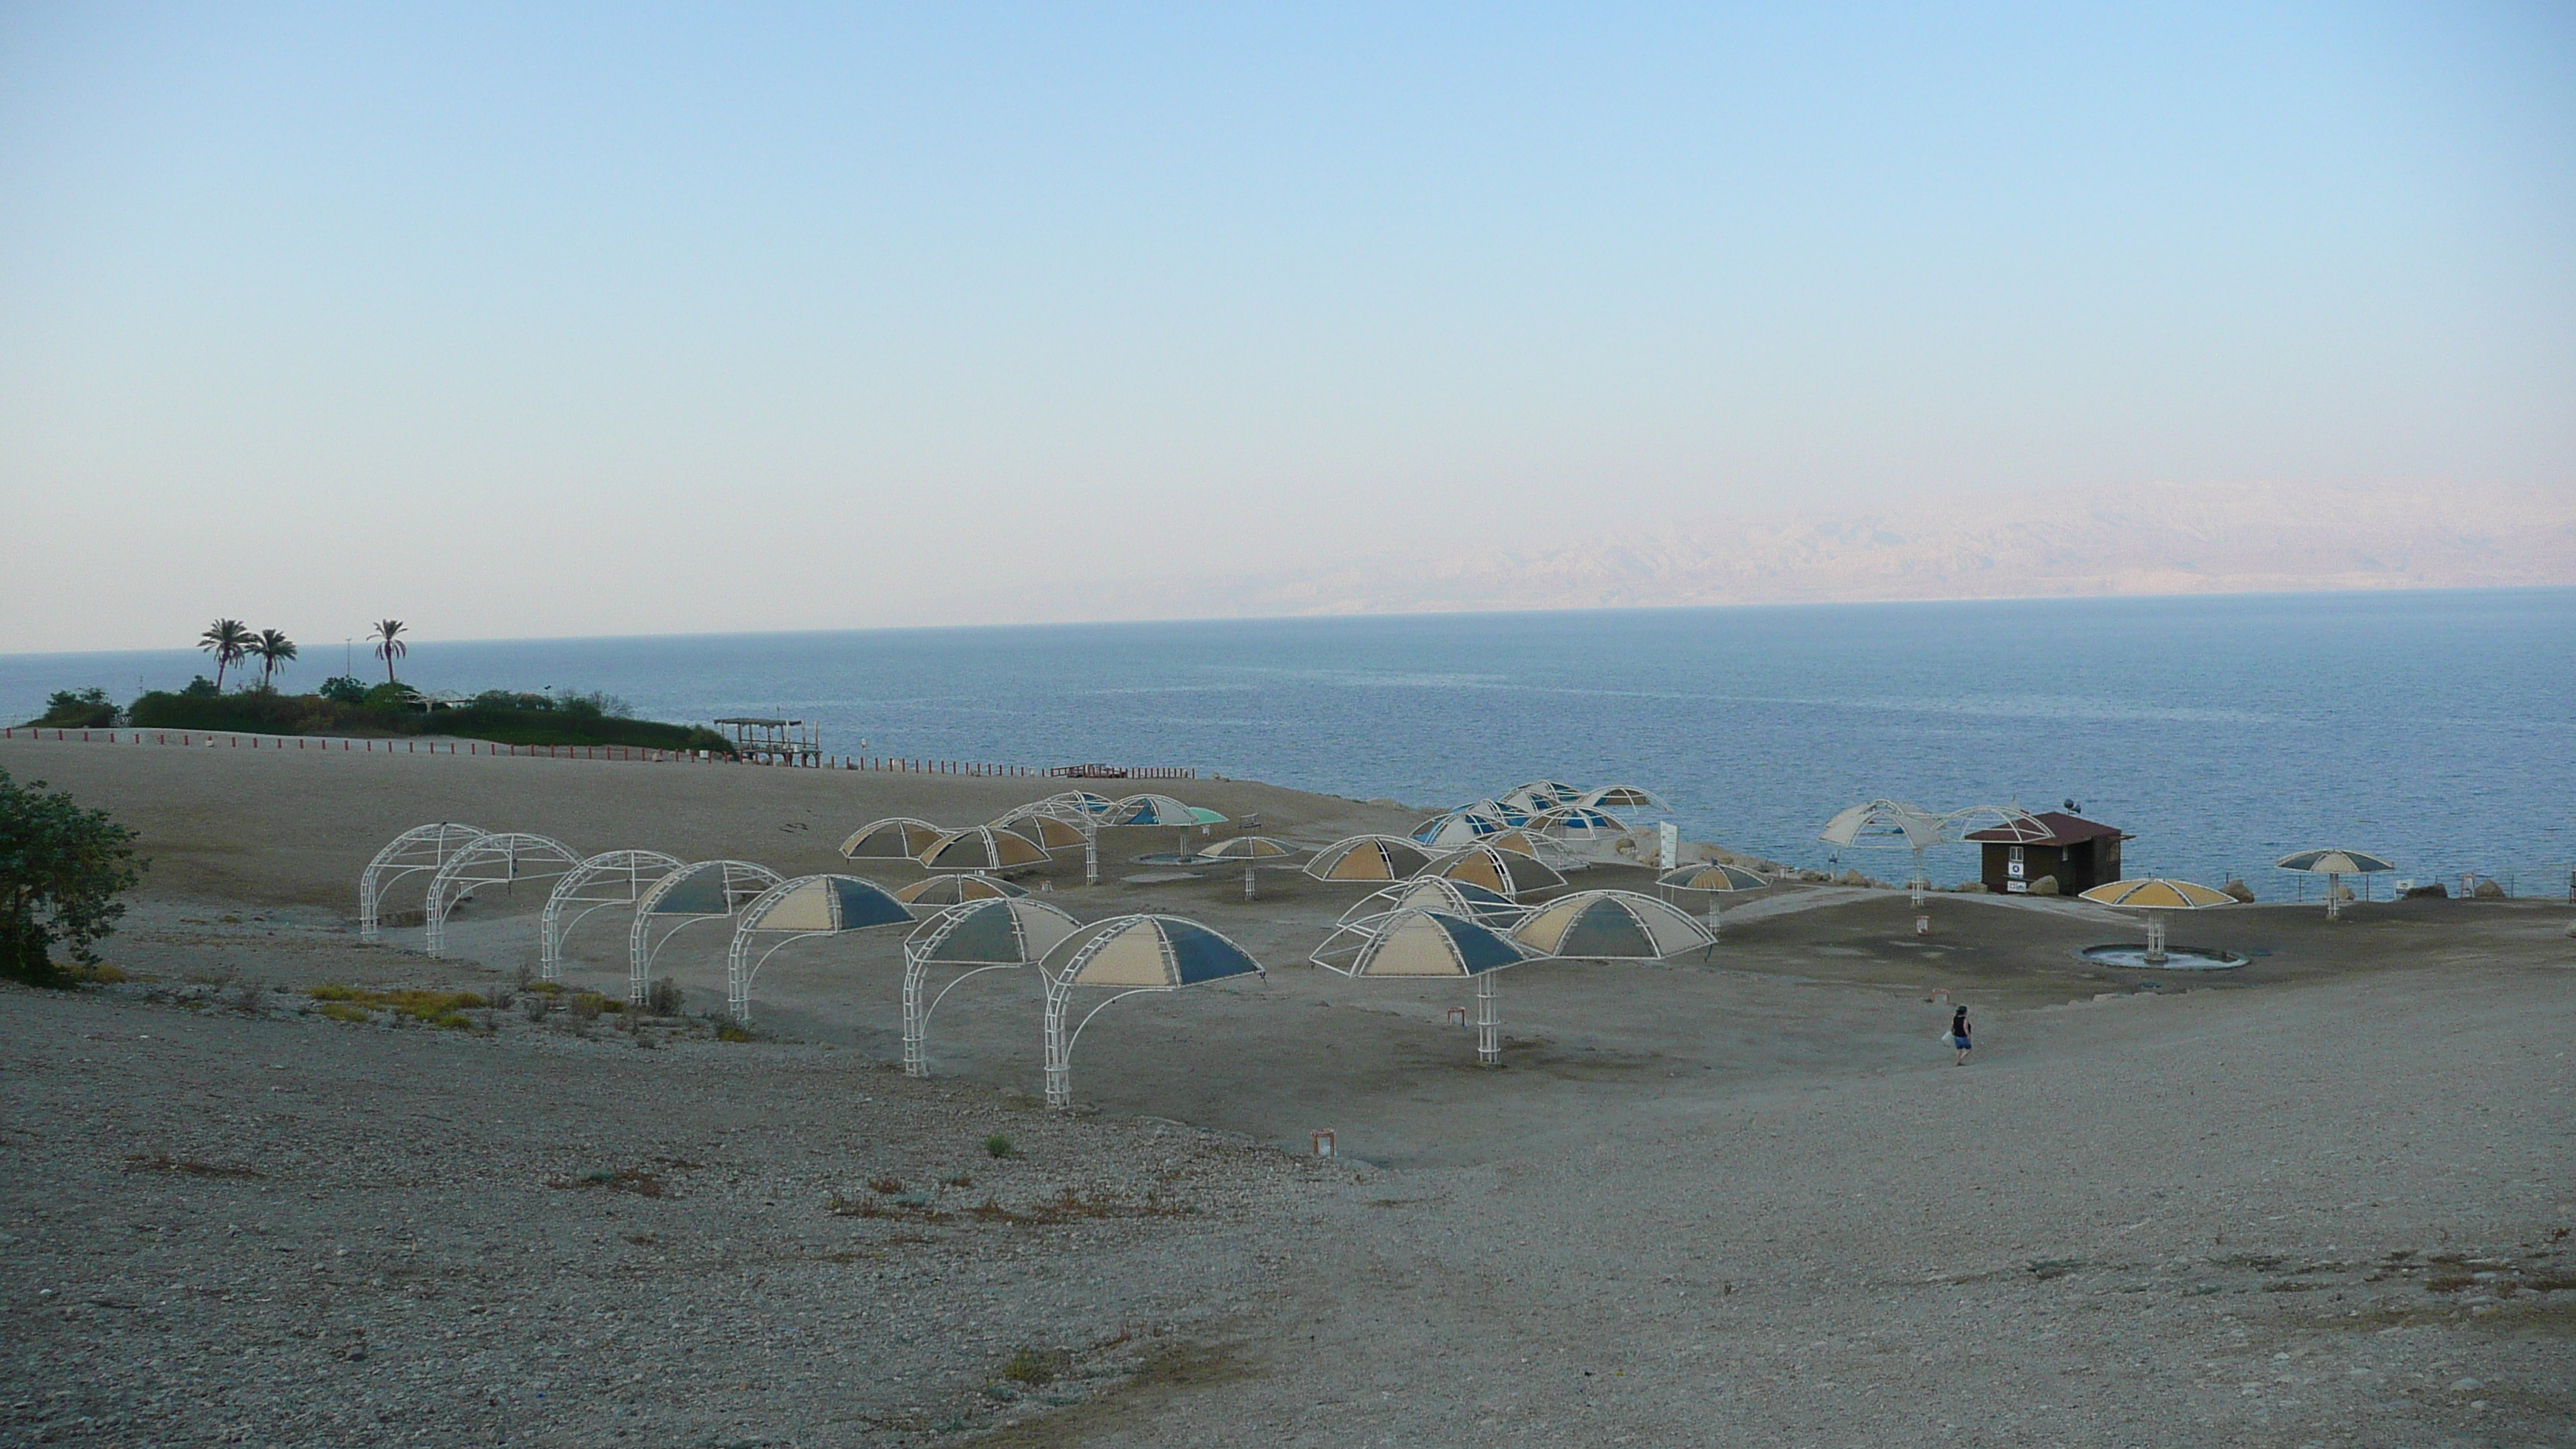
(344, 689)
(273, 648)
(61, 871)
(388, 647)
(79, 709)
(200, 688)
(229, 640)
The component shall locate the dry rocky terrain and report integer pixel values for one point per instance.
(2325, 1199)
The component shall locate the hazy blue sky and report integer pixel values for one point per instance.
(550, 320)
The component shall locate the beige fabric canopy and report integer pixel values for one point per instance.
(899, 837)
(1611, 926)
(982, 848)
(1368, 858)
(1496, 870)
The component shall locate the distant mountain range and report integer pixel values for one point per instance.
(2154, 540)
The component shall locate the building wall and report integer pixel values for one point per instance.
(2037, 861)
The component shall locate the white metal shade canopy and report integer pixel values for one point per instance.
(501, 859)
(1714, 879)
(1127, 955)
(1434, 893)
(1253, 853)
(982, 848)
(705, 890)
(1611, 926)
(899, 837)
(1496, 870)
(1062, 821)
(1418, 942)
(421, 848)
(1619, 797)
(2334, 865)
(972, 939)
(1579, 824)
(615, 878)
(1368, 858)
(2156, 895)
(1424, 944)
(1883, 822)
(1458, 828)
(799, 910)
(1554, 854)
(1538, 795)
(1889, 823)
(941, 891)
(1051, 831)
(1153, 809)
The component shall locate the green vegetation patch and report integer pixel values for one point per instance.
(443, 1009)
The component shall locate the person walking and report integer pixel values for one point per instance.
(1959, 1034)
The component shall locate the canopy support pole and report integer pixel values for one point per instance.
(1489, 1046)
(916, 1015)
(2334, 897)
(2155, 938)
(1920, 879)
(1249, 892)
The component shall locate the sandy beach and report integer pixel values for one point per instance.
(2325, 1198)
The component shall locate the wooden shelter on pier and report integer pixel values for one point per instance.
(776, 741)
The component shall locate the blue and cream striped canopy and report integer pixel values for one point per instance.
(1150, 953)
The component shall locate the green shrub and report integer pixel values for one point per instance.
(344, 689)
(62, 869)
(81, 709)
(998, 1145)
(390, 697)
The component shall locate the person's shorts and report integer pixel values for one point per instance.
(1963, 1044)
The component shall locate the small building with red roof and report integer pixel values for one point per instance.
(2080, 853)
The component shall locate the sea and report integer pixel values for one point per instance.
(2434, 727)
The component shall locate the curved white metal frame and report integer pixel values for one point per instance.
(740, 969)
(744, 882)
(1059, 998)
(1636, 904)
(1078, 808)
(1489, 1020)
(2014, 822)
(455, 880)
(423, 847)
(616, 870)
(916, 968)
(1882, 823)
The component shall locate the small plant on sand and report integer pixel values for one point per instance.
(536, 1005)
(587, 1005)
(61, 871)
(998, 1145)
(887, 1185)
(663, 997)
(343, 1011)
(616, 1179)
(444, 1009)
(733, 1031)
(1034, 1366)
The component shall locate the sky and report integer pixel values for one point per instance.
(519, 321)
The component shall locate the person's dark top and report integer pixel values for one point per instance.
(1959, 1024)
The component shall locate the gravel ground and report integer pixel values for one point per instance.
(2324, 1200)
(279, 1228)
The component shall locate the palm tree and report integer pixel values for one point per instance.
(229, 640)
(388, 648)
(273, 648)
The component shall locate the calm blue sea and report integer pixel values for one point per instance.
(2438, 728)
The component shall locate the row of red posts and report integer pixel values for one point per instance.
(574, 752)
